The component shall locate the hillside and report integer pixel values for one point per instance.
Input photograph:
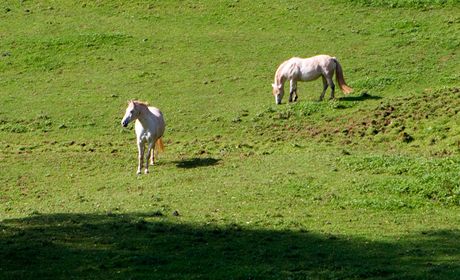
(246, 188)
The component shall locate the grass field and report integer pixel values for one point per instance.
(366, 186)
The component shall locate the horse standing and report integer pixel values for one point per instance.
(149, 128)
(308, 69)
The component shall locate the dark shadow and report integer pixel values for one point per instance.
(153, 246)
(196, 162)
(363, 96)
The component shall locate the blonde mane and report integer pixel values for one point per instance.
(279, 78)
(137, 102)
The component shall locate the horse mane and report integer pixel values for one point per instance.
(137, 102)
(278, 74)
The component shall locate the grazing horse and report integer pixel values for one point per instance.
(308, 69)
(149, 128)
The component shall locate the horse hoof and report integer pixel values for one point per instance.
(146, 171)
(138, 173)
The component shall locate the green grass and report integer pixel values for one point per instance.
(146, 245)
(405, 3)
(365, 186)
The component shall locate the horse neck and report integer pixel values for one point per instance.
(144, 115)
(279, 75)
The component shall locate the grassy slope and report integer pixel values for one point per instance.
(299, 190)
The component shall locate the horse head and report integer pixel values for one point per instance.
(278, 92)
(132, 112)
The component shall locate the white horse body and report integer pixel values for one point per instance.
(149, 127)
(308, 69)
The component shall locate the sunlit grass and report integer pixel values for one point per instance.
(245, 189)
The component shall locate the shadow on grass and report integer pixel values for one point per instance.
(149, 245)
(196, 162)
(363, 96)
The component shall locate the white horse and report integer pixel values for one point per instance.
(308, 69)
(149, 127)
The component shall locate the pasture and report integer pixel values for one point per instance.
(366, 186)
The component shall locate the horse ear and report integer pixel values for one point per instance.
(277, 86)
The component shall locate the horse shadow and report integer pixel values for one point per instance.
(196, 162)
(362, 97)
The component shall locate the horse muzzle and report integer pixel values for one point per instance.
(278, 99)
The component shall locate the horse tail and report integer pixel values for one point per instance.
(159, 146)
(340, 79)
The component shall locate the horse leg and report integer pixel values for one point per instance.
(152, 155)
(293, 91)
(332, 85)
(147, 156)
(140, 148)
(324, 88)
